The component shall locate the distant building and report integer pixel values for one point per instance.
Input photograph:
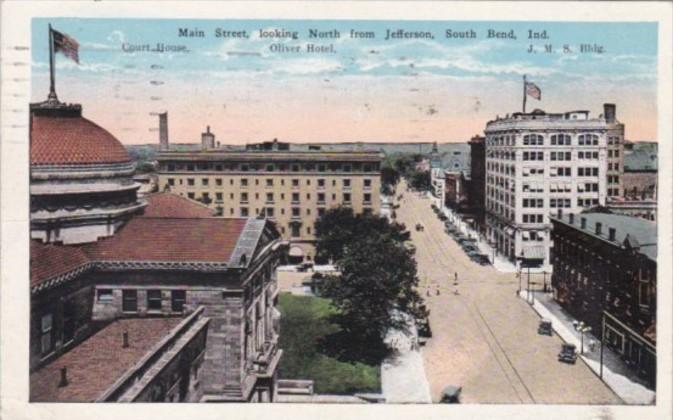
(605, 274)
(639, 196)
(135, 299)
(537, 163)
(291, 185)
(615, 157)
(477, 181)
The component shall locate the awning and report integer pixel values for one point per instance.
(533, 252)
(296, 251)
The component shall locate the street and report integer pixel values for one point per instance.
(485, 337)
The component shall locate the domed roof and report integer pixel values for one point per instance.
(63, 137)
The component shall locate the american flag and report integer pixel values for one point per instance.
(533, 91)
(67, 45)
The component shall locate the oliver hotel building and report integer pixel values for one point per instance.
(289, 184)
(140, 299)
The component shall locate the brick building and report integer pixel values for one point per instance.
(639, 198)
(605, 274)
(289, 184)
(140, 300)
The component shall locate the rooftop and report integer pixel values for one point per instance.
(61, 136)
(640, 232)
(172, 205)
(172, 230)
(95, 364)
(640, 159)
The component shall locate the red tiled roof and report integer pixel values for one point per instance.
(95, 364)
(172, 205)
(171, 239)
(68, 140)
(49, 260)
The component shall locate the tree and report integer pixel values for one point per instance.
(378, 276)
(420, 180)
(339, 227)
(389, 177)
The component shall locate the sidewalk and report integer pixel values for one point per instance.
(402, 374)
(622, 380)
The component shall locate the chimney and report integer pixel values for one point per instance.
(207, 139)
(583, 222)
(64, 377)
(612, 232)
(571, 218)
(598, 228)
(610, 112)
(163, 131)
(125, 339)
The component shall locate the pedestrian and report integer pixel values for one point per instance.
(456, 292)
(438, 291)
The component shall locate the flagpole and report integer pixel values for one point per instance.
(52, 89)
(524, 93)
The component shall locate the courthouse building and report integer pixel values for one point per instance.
(537, 163)
(289, 184)
(605, 274)
(150, 299)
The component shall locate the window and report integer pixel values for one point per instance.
(296, 212)
(244, 182)
(104, 295)
(244, 197)
(171, 181)
(321, 197)
(368, 198)
(204, 181)
(308, 230)
(269, 168)
(295, 197)
(347, 183)
(154, 300)
(218, 196)
(129, 300)
(218, 182)
(178, 299)
(295, 182)
(244, 167)
(269, 182)
(270, 212)
(295, 168)
(321, 167)
(321, 211)
(46, 342)
(347, 198)
(368, 183)
(244, 212)
(190, 181)
(295, 230)
(190, 195)
(269, 197)
(321, 183)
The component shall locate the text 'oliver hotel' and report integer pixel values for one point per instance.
(541, 163)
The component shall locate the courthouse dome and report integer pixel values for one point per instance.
(61, 136)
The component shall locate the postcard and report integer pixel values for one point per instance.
(427, 209)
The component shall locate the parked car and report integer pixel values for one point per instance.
(443, 217)
(451, 395)
(544, 328)
(568, 353)
(482, 259)
(419, 227)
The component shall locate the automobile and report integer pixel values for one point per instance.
(544, 328)
(424, 330)
(443, 217)
(568, 353)
(451, 395)
(482, 259)
(304, 267)
(419, 227)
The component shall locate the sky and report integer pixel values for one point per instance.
(388, 90)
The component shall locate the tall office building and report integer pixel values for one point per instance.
(538, 163)
(290, 184)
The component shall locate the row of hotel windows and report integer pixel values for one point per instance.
(243, 182)
(538, 140)
(270, 197)
(561, 171)
(270, 212)
(272, 167)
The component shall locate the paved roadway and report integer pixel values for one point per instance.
(485, 338)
